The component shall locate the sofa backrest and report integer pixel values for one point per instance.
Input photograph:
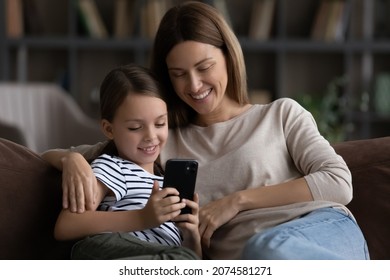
(30, 200)
(369, 162)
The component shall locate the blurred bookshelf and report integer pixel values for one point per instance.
(292, 49)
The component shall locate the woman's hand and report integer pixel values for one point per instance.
(215, 214)
(189, 225)
(163, 205)
(79, 185)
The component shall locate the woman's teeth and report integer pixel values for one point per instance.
(201, 96)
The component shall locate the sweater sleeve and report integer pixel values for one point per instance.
(326, 172)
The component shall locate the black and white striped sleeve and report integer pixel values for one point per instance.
(108, 170)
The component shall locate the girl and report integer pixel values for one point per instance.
(136, 218)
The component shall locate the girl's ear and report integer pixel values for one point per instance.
(107, 129)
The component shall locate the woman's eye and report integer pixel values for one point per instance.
(205, 68)
(178, 74)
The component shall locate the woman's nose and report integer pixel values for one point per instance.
(195, 83)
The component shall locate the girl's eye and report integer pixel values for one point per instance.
(134, 128)
(160, 124)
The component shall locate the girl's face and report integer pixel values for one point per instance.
(199, 76)
(139, 129)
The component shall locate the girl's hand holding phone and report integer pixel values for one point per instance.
(163, 205)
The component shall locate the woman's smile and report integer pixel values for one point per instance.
(201, 95)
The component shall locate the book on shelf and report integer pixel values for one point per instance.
(381, 22)
(14, 18)
(320, 21)
(260, 96)
(262, 16)
(33, 17)
(343, 23)
(124, 18)
(331, 21)
(221, 6)
(151, 14)
(91, 19)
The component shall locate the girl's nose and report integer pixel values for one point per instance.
(150, 134)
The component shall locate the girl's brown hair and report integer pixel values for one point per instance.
(199, 22)
(125, 80)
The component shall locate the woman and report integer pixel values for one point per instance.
(270, 186)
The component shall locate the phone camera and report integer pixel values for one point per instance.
(191, 168)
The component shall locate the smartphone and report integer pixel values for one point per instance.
(181, 174)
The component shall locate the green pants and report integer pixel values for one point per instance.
(110, 246)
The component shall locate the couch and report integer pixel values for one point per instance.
(30, 199)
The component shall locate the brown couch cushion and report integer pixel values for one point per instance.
(369, 162)
(30, 199)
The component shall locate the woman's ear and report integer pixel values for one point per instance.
(107, 129)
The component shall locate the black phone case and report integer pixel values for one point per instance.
(181, 174)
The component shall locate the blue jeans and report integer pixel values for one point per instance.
(324, 234)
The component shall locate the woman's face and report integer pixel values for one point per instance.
(199, 75)
(139, 129)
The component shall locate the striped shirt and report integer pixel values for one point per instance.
(132, 186)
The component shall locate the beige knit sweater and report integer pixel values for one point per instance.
(266, 145)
